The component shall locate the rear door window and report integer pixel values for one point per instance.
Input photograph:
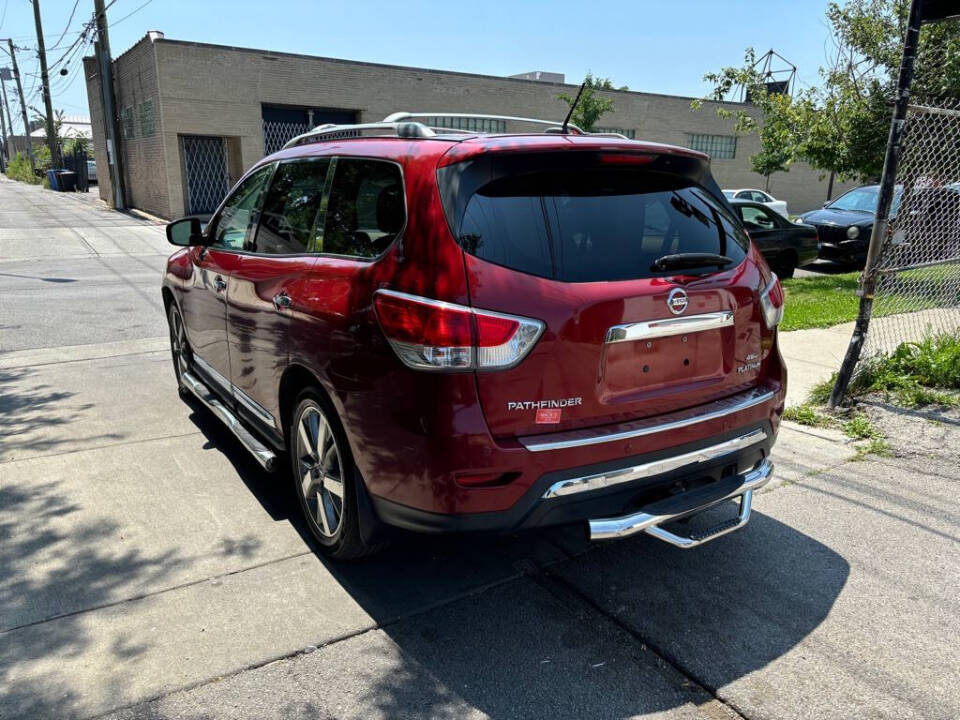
(595, 225)
(366, 208)
(289, 214)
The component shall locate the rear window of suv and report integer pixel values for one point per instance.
(594, 224)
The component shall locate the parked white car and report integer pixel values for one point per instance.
(759, 196)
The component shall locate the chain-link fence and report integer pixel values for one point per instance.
(918, 269)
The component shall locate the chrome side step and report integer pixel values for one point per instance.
(650, 522)
(263, 455)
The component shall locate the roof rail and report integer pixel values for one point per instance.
(333, 132)
(553, 125)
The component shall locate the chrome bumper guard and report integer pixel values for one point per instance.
(651, 518)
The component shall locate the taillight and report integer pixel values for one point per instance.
(771, 302)
(433, 335)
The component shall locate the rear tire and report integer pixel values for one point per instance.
(325, 478)
(785, 268)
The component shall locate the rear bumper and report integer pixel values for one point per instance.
(606, 489)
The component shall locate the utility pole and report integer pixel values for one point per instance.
(52, 139)
(23, 107)
(4, 76)
(4, 155)
(109, 112)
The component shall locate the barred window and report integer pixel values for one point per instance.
(126, 122)
(628, 132)
(148, 125)
(719, 147)
(471, 124)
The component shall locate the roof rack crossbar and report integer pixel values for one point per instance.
(398, 116)
(332, 132)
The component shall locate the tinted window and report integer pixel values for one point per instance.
(235, 224)
(758, 218)
(365, 211)
(595, 224)
(290, 209)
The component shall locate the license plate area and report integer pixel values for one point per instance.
(632, 371)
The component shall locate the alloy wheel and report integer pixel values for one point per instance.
(178, 344)
(320, 471)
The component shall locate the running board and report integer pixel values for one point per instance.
(261, 453)
(652, 517)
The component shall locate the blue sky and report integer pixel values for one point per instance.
(650, 45)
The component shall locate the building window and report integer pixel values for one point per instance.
(148, 125)
(471, 124)
(627, 132)
(126, 122)
(719, 147)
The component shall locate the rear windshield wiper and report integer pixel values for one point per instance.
(689, 260)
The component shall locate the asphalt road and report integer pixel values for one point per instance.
(149, 568)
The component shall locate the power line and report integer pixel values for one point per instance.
(67, 27)
(134, 12)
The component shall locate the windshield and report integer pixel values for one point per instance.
(864, 199)
(596, 225)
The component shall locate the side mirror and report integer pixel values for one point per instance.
(185, 232)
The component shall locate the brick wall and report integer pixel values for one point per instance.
(217, 90)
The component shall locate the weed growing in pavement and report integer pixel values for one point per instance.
(808, 415)
(915, 374)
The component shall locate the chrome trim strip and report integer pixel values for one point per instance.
(669, 326)
(253, 406)
(650, 426)
(263, 455)
(610, 528)
(214, 375)
(597, 481)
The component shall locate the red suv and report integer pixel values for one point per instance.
(451, 331)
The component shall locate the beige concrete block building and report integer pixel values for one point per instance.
(193, 117)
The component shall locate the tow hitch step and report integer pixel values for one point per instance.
(263, 455)
(653, 516)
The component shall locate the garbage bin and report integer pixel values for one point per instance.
(52, 179)
(67, 181)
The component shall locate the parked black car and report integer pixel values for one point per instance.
(785, 245)
(844, 225)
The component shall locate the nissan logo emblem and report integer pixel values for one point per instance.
(677, 301)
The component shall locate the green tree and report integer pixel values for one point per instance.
(592, 106)
(840, 124)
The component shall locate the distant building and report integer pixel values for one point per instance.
(193, 117)
(73, 126)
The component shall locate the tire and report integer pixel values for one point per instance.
(179, 347)
(785, 266)
(325, 478)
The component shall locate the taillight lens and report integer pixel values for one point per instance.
(771, 302)
(432, 335)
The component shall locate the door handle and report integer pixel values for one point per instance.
(220, 284)
(282, 300)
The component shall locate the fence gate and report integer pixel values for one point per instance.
(205, 164)
(282, 123)
(918, 270)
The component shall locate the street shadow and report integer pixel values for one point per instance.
(466, 630)
(53, 567)
(28, 409)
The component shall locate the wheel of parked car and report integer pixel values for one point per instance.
(785, 268)
(179, 348)
(324, 477)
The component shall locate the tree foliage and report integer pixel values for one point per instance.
(841, 124)
(591, 106)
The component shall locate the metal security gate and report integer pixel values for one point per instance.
(205, 165)
(282, 123)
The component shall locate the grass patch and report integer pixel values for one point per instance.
(825, 300)
(876, 446)
(859, 427)
(822, 301)
(916, 374)
(808, 415)
(19, 169)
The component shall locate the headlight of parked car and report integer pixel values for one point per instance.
(853, 232)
